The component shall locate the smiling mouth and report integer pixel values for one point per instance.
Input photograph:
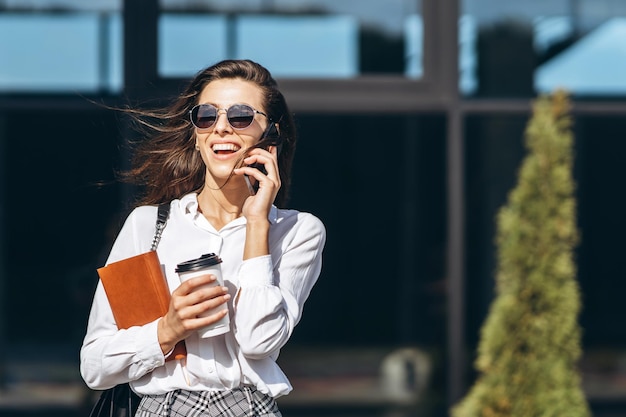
(224, 148)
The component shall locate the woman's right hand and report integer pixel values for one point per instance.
(192, 298)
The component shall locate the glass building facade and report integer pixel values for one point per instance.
(411, 117)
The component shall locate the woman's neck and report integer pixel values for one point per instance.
(221, 206)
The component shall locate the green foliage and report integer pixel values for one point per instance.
(530, 341)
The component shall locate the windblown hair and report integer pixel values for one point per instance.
(166, 164)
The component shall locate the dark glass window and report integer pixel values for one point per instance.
(519, 49)
(294, 39)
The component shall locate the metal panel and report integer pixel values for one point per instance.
(140, 47)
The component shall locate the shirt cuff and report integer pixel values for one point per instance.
(148, 347)
(257, 271)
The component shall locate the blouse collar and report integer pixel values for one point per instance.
(189, 204)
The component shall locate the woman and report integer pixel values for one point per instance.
(211, 159)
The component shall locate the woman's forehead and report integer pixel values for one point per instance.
(225, 92)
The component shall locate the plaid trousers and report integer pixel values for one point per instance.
(239, 402)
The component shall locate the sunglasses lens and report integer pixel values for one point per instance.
(204, 116)
(240, 116)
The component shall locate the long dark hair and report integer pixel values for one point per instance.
(165, 162)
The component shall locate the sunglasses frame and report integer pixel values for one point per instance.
(217, 113)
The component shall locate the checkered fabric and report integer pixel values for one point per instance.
(239, 402)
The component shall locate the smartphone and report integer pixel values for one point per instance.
(270, 137)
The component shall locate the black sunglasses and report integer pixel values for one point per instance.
(239, 116)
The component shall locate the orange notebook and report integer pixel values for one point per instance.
(138, 293)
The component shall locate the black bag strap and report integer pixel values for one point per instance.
(163, 213)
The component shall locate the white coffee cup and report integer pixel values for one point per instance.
(208, 264)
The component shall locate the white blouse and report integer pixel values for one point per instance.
(272, 290)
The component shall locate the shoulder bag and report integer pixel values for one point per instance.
(121, 401)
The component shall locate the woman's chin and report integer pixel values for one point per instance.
(221, 178)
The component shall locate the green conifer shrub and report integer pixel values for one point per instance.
(530, 342)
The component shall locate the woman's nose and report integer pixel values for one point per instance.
(221, 124)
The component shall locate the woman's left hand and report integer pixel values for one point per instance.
(257, 206)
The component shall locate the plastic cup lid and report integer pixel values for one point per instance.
(206, 260)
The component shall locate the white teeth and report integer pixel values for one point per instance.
(225, 147)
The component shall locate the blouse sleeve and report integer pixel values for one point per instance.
(110, 356)
(273, 289)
